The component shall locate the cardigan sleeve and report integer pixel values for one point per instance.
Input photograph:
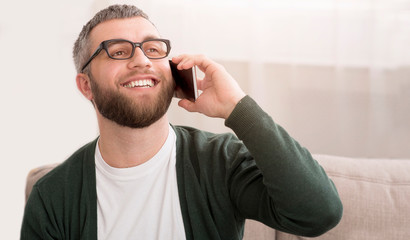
(37, 224)
(285, 188)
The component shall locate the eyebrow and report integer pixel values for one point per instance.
(149, 37)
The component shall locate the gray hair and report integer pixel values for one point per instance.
(81, 50)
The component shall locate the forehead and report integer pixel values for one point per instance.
(135, 29)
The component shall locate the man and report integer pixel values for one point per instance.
(146, 179)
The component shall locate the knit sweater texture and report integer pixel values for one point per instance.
(258, 173)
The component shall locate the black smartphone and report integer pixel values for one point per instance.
(185, 82)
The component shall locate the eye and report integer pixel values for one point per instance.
(151, 50)
(155, 48)
(118, 54)
(120, 49)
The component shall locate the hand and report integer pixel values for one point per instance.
(220, 92)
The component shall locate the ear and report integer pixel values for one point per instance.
(84, 85)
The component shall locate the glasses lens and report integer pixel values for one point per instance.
(120, 49)
(155, 49)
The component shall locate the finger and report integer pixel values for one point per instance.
(200, 83)
(177, 59)
(186, 63)
(202, 62)
(183, 61)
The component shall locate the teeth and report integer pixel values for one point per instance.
(140, 83)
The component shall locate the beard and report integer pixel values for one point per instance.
(125, 111)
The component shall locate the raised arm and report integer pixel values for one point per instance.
(281, 185)
(284, 187)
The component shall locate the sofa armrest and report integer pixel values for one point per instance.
(375, 194)
(35, 174)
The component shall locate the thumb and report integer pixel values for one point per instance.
(187, 105)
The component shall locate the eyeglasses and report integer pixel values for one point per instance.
(121, 49)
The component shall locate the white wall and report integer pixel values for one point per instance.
(43, 118)
(334, 90)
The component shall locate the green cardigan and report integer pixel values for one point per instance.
(261, 174)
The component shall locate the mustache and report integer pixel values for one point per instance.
(138, 72)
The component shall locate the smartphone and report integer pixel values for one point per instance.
(185, 81)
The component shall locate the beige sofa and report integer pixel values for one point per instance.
(376, 201)
(375, 195)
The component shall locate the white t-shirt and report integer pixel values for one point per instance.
(140, 202)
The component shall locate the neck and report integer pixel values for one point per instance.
(123, 147)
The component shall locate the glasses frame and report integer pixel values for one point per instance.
(104, 45)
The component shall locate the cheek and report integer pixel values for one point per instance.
(168, 74)
(106, 74)
(165, 69)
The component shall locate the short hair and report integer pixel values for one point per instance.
(81, 50)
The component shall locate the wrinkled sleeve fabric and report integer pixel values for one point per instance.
(63, 203)
(37, 222)
(282, 185)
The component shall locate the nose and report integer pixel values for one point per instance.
(139, 59)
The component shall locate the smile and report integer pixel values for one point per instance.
(144, 83)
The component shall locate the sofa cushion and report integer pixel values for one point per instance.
(375, 195)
